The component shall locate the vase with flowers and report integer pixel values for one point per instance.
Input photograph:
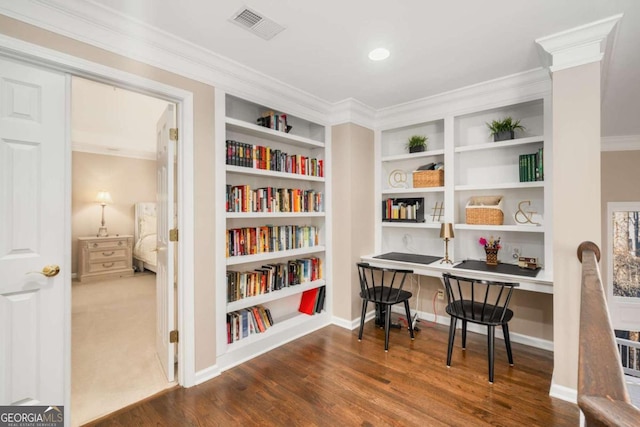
(491, 248)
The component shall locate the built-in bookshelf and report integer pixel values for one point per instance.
(276, 227)
(474, 166)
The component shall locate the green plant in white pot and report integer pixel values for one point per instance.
(504, 129)
(417, 143)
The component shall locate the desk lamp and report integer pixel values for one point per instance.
(103, 198)
(446, 233)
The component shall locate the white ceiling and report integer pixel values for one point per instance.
(436, 46)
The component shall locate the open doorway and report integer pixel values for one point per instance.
(116, 293)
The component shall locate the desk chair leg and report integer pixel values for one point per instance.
(464, 334)
(362, 316)
(452, 336)
(491, 331)
(507, 342)
(409, 319)
(387, 326)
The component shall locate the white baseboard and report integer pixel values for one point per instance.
(352, 324)
(206, 374)
(564, 393)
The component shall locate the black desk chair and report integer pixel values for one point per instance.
(383, 286)
(482, 302)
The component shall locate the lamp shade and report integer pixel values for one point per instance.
(103, 197)
(446, 231)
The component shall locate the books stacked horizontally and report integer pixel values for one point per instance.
(272, 277)
(249, 321)
(241, 198)
(270, 238)
(532, 166)
(267, 158)
(312, 301)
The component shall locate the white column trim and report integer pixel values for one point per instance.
(580, 45)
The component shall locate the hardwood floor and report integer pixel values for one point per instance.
(328, 378)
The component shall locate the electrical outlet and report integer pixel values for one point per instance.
(440, 294)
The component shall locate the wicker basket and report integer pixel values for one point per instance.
(485, 210)
(428, 178)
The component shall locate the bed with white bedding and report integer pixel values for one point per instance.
(145, 236)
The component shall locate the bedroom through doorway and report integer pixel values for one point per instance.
(123, 192)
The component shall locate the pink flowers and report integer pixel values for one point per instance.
(491, 243)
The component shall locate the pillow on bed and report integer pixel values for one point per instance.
(147, 225)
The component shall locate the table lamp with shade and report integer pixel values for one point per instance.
(446, 233)
(103, 198)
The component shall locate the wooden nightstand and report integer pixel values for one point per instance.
(105, 257)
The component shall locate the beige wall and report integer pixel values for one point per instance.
(127, 180)
(576, 203)
(619, 184)
(203, 210)
(352, 160)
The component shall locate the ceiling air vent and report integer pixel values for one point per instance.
(256, 23)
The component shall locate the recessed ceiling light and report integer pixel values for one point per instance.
(378, 54)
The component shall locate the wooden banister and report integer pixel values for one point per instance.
(602, 393)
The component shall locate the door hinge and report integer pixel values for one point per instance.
(173, 336)
(173, 134)
(173, 235)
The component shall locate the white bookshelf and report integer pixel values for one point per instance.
(474, 165)
(237, 120)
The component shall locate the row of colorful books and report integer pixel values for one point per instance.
(270, 238)
(531, 166)
(241, 198)
(261, 157)
(272, 277)
(249, 321)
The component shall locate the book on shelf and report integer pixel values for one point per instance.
(312, 301)
(308, 301)
(270, 238)
(241, 198)
(272, 277)
(275, 121)
(246, 322)
(407, 209)
(531, 166)
(266, 158)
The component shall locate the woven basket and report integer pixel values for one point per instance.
(428, 178)
(485, 210)
(492, 256)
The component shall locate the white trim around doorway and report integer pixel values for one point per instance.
(52, 59)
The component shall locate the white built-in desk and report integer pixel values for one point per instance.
(541, 283)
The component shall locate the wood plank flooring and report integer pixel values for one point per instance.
(328, 378)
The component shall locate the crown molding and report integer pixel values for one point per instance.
(107, 29)
(351, 110)
(580, 45)
(620, 143)
(520, 87)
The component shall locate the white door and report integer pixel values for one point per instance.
(165, 319)
(32, 234)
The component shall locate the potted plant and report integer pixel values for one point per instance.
(504, 129)
(417, 143)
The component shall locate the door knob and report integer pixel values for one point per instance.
(48, 271)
